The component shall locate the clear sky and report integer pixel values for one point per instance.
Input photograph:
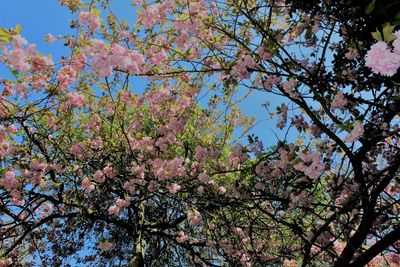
(40, 17)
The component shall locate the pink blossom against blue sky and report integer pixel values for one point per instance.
(41, 17)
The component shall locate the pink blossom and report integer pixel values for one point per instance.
(339, 101)
(113, 210)
(211, 243)
(37, 170)
(165, 170)
(395, 258)
(174, 188)
(10, 182)
(161, 144)
(96, 143)
(66, 76)
(125, 96)
(64, 2)
(246, 240)
(109, 171)
(203, 177)
(213, 6)
(18, 202)
(381, 60)
(79, 150)
(41, 63)
(176, 125)
(138, 171)
(18, 59)
(9, 175)
(94, 25)
(50, 38)
(119, 56)
(356, 133)
(238, 155)
(150, 15)
(93, 124)
(152, 186)
(86, 184)
(302, 200)
(283, 111)
(106, 246)
(221, 190)
(246, 260)
(79, 62)
(290, 88)
(396, 43)
(19, 41)
(122, 203)
(136, 63)
(181, 238)
(237, 230)
(241, 69)
(210, 182)
(96, 47)
(6, 262)
(270, 82)
(264, 54)
(262, 169)
(75, 99)
(260, 186)
(47, 209)
(194, 217)
(99, 177)
(12, 129)
(102, 65)
(159, 58)
(201, 154)
(311, 165)
(89, 18)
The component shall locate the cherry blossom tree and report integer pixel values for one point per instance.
(93, 172)
(329, 197)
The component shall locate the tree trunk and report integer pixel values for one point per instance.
(140, 246)
(137, 260)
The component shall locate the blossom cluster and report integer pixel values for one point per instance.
(25, 58)
(383, 60)
(106, 58)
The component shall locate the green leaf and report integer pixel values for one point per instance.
(388, 35)
(15, 73)
(95, 12)
(56, 184)
(18, 28)
(377, 36)
(3, 32)
(370, 7)
(5, 36)
(4, 39)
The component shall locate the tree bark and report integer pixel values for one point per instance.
(138, 259)
(139, 251)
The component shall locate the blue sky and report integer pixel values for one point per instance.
(40, 17)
